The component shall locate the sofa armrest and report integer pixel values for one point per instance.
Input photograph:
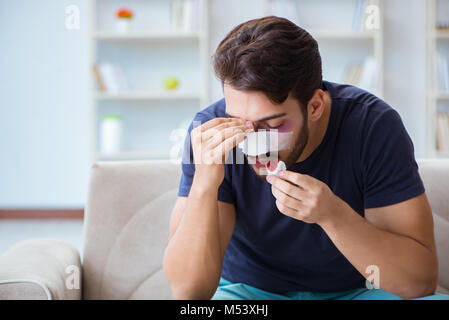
(38, 269)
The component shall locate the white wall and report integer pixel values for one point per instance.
(405, 65)
(44, 122)
(44, 105)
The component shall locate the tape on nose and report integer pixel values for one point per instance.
(261, 142)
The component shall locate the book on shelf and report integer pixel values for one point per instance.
(362, 74)
(352, 73)
(186, 15)
(442, 132)
(442, 72)
(110, 77)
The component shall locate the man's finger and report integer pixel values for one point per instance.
(216, 121)
(302, 180)
(230, 143)
(288, 211)
(288, 188)
(286, 199)
(218, 136)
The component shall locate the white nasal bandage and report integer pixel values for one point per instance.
(280, 166)
(261, 142)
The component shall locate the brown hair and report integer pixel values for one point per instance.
(272, 55)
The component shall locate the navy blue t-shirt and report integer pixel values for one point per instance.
(366, 158)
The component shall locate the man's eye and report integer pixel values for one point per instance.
(275, 127)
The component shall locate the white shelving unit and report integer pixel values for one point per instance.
(335, 36)
(149, 52)
(437, 101)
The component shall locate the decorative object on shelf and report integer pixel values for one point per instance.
(171, 83)
(111, 134)
(124, 19)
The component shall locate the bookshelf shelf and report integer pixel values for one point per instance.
(133, 155)
(148, 36)
(123, 96)
(143, 58)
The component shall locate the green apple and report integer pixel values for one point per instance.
(171, 83)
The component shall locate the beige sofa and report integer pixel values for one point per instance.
(125, 234)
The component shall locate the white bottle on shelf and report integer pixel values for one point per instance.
(111, 134)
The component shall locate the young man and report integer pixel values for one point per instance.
(350, 207)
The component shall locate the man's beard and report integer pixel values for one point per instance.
(298, 147)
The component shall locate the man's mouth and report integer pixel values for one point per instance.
(266, 163)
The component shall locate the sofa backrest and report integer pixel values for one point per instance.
(127, 219)
(126, 229)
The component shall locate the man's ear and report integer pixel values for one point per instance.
(315, 107)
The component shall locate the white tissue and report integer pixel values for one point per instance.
(281, 166)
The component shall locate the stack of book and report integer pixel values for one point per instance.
(443, 72)
(443, 132)
(110, 78)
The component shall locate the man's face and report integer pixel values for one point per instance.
(255, 107)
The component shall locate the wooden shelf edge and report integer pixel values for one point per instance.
(146, 96)
(132, 155)
(146, 36)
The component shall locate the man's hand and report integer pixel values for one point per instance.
(398, 238)
(211, 143)
(303, 197)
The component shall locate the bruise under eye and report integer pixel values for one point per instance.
(282, 127)
(273, 126)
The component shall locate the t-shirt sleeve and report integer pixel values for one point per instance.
(390, 171)
(225, 192)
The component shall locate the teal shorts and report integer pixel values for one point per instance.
(239, 291)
